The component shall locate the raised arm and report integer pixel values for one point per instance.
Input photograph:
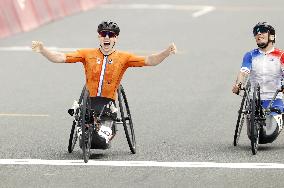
(55, 57)
(155, 59)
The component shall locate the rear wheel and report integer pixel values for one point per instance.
(126, 119)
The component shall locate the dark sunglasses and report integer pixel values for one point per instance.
(110, 34)
(260, 30)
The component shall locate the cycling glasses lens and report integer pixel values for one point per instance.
(109, 33)
(260, 30)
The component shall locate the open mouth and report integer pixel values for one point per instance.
(106, 44)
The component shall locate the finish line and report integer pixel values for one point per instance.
(142, 164)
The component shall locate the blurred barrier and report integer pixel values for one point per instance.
(42, 11)
(23, 15)
(10, 22)
(25, 11)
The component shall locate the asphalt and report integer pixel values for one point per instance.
(183, 109)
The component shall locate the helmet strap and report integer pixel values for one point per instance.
(113, 45)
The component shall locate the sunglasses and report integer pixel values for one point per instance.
(110, 34)
(260, 30)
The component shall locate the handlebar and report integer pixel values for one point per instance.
(281, 89)
(240, 88)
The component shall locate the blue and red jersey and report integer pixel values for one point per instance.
(267, 69)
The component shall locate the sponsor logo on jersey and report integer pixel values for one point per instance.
(98, 61)
(272, 59)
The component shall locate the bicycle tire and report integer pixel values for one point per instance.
(126, 120)
(254, 127)
(73, 138)
(73, 134)
(240, 121)
(86, 132)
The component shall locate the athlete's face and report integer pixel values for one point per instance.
(261, 38)
(107, 40)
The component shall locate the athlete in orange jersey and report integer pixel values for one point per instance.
(104, 72)
(104, 66)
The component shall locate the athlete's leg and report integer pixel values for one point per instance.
(274, 121)
(104, 121)
(277, 103)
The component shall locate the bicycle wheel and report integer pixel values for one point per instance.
(240, 120)
(86, 129)
(254, 120)
(73, 134)
(126, 119)
(73, 138)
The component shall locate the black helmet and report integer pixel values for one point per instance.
(263, 25)
(108, 26)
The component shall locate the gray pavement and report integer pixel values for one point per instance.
(183, 109)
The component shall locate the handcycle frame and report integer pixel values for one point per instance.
(252, 110)
(82, 115)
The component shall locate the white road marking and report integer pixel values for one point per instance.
(201, 10)
(142, 164)
(205, 10)
(24, 115)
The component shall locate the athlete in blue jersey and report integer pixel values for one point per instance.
(264, 65)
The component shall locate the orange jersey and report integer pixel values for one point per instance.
(104, 73)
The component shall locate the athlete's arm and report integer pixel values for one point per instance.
(155, 59)
(244, 72)
(55, 57)
(241, 79)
